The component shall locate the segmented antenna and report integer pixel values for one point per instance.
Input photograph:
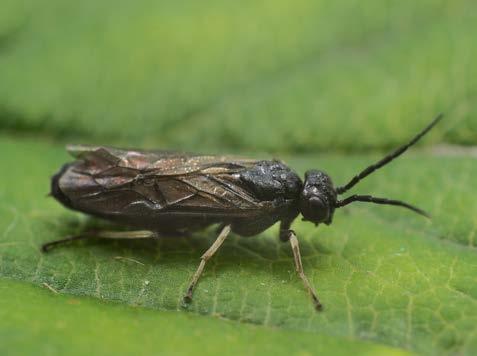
(383, 201)
(366, 172)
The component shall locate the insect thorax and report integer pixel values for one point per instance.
(271, 180)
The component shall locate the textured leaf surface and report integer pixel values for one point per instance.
(385, 276)
(75, 326)
(275, 76)
(164, 68)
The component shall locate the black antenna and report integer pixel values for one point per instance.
(366, 172)
(383, 201)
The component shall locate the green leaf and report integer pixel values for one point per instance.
(41, 322)
(164, 68)
(313, 76)
(386, 276)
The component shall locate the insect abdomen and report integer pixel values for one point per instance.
(56, 191)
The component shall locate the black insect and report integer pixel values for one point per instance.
(168, 193)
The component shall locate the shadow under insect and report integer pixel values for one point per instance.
(264, 249)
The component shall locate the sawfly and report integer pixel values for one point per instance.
(169, 193)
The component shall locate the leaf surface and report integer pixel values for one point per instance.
(385, 276)
(330, 84)
(75, 326)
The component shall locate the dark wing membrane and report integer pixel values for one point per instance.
(161, 163)
(132, 182)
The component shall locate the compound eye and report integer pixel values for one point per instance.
(319, 209)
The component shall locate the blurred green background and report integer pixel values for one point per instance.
(297, 76)
(322, 84)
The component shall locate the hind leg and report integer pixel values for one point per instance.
(140, 234)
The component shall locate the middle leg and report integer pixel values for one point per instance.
(204, 258)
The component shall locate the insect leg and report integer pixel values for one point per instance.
(299, 269)
(284, 233)
(140, 234)
(204, 258)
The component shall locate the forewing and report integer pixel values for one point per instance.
(141, 181)
(160, 163)
(206, 192)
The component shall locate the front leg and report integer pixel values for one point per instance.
(299, 269)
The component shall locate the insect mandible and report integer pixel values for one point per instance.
(170, 193)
